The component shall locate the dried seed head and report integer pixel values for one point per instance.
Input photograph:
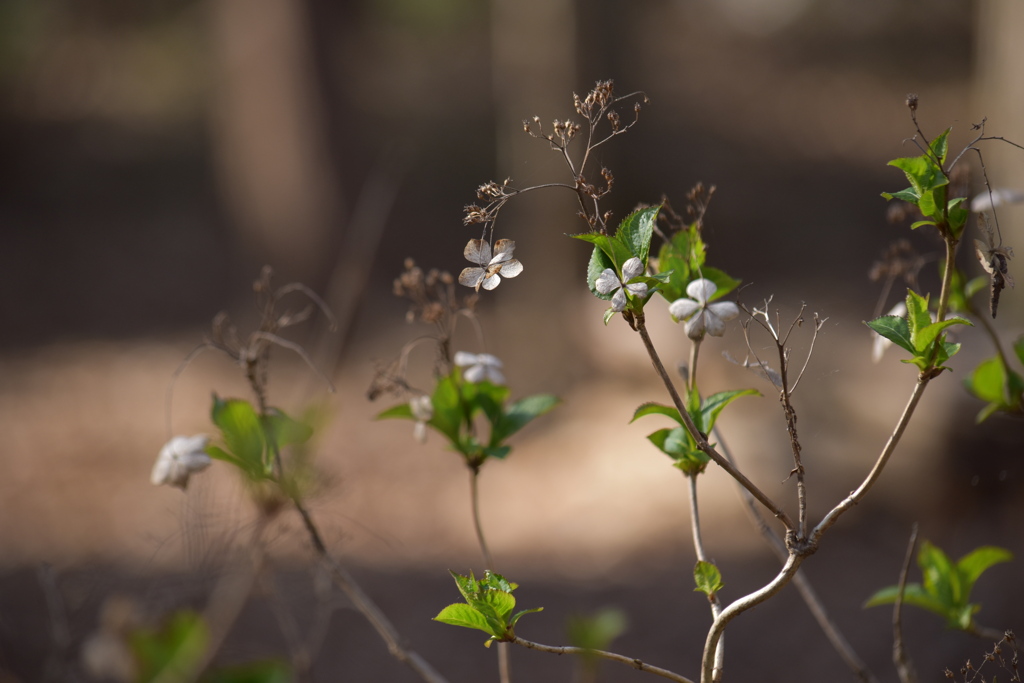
(912, 101)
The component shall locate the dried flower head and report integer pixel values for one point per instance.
(489, 270)
(180, 458)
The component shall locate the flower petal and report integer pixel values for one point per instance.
(493, 374)
(488, 359)
(683, 308)
(503, 250)
(726, 310)
(474, 373)
(464, 358)
(607, 281)
(491, 280)
(695, 328)
(511, 268)
(478, 251)
(631, 268)
(714, 325)
(637, 289)
(701, 289)
(619, 301)
(471, 277)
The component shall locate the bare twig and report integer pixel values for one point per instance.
(638, 664)
(698, 546)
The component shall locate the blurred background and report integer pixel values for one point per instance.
(155, 155)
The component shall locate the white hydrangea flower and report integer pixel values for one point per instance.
(480, 366)
(881, 343)
(608, 281)
(706, 317)
(180, 458)
(422, 409)
(490, 271)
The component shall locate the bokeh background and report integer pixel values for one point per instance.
(154, 155)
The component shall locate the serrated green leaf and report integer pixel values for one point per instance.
(636, 230)
(893, 328)
(599, 262)
(907, 195)
(940, 146)
(924, 337)
(240, 426)
(917, 315)
(461, 614)
(974, 563)
(617, 252)
(521, 413)
(656, 409)
(958, 213)
(707, 577)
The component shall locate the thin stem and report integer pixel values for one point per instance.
(474, 495)
(694, 356)
(701, 439)
(800, 581)
(900, 656)
(628, 661)
(698, 546)
(710, 667)
(362, 602)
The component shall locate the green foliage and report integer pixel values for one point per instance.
(708, 579)
(596, 632)
(268, 671)
(676, 442)
(946, 586)
(456, 405)
(918, 334)
(488, 606)
(172, 651)
(999, 386)
(631, 239)
(253, 441)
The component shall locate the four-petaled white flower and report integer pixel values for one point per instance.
(608, 281)
(706, 317)
(180, 458)
(490, 271)
(480, 366)
(422, 409)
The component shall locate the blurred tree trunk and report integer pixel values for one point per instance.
(534, 73)
(999, 95)
(277, 182)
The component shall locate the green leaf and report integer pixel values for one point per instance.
(218, 453)
(724, 282)
(448, 410)
(917, 316)
(519, 414)
(608, 315)
(240, 426)
(676, 265)
(636, 230)
(708, 578)
(920, 224)
(173, 651)
(518, 615)
(893, 328)
(988, 380)
(941, 579)
(958, 214)
(714, 404)
(461, 614)
(656, 409)
(674, 442)
(940, 146)
(402, 412)
(907, 195)
(928, 182)
(617, 252)
(282, 430)
(1018, 348)
(599, 262)
(486, 397)
(974, 563)
(598, 631)
(913, 594)
(926, 335)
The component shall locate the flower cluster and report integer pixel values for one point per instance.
(703, 316)
(489, 270)
(608, 281)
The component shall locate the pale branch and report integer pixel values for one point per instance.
(638, 664)
(701, 439)
(698, 546)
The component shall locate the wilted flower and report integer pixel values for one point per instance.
(881, 343)
(608, 281)
(490, 271)
(422, 409)
(480, 366)
(707, 317)
(180, 458)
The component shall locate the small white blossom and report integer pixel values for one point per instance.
(706, 317)
(999, 197)
(480, 366)
(881, 343)
(490, 271)
(180, 458)
(422, 409)
(608, 281)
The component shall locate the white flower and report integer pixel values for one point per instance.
(422, 409)
(881, 343)
(481, 366)
(608, 282)
(707, 317)
(1000, 196)
(490, 270)
(180, 458)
